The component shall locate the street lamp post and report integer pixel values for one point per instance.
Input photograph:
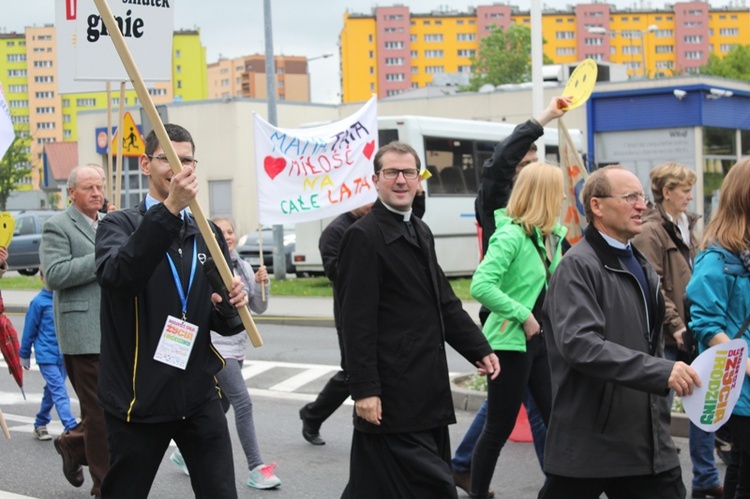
(309, 60)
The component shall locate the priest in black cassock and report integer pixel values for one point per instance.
(398, 311)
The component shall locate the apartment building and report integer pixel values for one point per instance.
(392, 49)
(246, 77)
(28, 72)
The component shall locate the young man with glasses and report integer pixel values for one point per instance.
(603, 317)
(157, 380)
(397, 313)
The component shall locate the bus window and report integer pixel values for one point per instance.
(387, 136)
(454, 164)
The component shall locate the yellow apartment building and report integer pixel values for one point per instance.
(391, 49)
(246, 77)
(28, 72)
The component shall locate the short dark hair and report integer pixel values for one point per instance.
(176, 134)
(533, 147)
(397, 147)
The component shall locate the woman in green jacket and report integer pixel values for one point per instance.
(511, 282)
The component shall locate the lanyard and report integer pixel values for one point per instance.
(178, 281)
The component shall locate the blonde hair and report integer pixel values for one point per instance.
(729, 226)
(536, 197)
(670, 175)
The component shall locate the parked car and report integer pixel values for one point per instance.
(249, 249)
(23, 252)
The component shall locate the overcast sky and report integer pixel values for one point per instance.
(232, 28)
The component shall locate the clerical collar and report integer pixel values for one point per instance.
(614, 242)
(405, 214)
(151, 201)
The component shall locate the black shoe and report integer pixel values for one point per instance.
(73, 472)
(713, 493)
(309, 433)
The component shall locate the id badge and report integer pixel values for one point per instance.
(176, 342)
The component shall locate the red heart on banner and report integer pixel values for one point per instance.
(369, 148)
(274, 166)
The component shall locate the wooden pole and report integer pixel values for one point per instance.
(260, 250)
(4, 426)
(108, 171)
(174, 161)
(120, 144)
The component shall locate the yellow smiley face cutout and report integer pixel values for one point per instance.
(581, 83)
(7, 225)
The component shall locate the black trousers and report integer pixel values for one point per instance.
(136, 451)
(329, 399)
(504, 397)
(740, 426)
(666, 485)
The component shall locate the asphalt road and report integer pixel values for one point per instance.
(295, 363)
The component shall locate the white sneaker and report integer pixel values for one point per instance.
(42, 433)
(262, 477)
(176, 458)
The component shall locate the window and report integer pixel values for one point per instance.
(18, 89)
(281, 84)
(279, 71)
(86, 102)
(565, 51)
(425, 23)
(729, 32)
(179, 83)
(19, 119)
(466, 37)
(372, 54)
(67, 134)
(726, 47)
(372, 70)
(178, 68)
(225, 82)
(16, 73)
(42, 64)
(158, 91)
(433, 54)
(45, 110)
(394, 45)
(66, 102)
(45, 140)
(394, 61)
(664, 33)
(565, 35)
(631, 49)
(467, 53)
(464, 69)
(414, 70)
(596, 57)
(45, 125)
(413, 38)
(664, 64)
(594, 41)
(434, 69)
(414, 54)
(44, 37)
(460, 22)
(18, 103)
(391, 93)
(11, 44)
(369, 38)
(694, 55)
(44, 79)
(395, 77)
(435, 37)
(612, 50)
(396, 17)
(66, 118)
(390, 30)
(177, 54)
(664, 49)
(16, 57)
(45, 95)
(694, 39)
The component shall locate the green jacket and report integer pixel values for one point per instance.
(509, 279)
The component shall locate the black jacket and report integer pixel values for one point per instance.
(138, 293)
(398, 311)
(498, 173)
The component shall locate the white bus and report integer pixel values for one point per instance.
(453, 151)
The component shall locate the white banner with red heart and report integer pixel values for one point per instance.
(308, 174)
(7, 135)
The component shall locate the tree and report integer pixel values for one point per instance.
(504, 57)
(735, 65)
(14, 166)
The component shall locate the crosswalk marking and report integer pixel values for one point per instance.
(299, 380)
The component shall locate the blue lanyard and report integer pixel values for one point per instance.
(178, 281)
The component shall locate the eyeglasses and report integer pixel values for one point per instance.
(186, 161)
(631, 198)
(392, 173)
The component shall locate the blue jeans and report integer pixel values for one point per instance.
(55, 394)
(462, 458)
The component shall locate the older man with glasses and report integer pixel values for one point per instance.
(609, 428)
(398, 311)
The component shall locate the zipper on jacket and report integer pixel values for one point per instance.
(650, 335)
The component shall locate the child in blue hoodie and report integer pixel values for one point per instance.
(39, 333)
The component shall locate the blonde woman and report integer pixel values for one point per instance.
(511, 281)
